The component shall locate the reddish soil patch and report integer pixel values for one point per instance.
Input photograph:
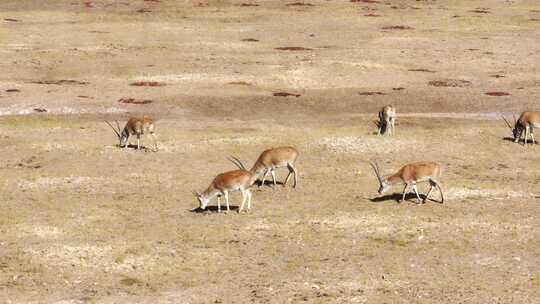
(421, 70)
(371, 93)
(285, 94)
(250, 40)
(134, 101)
(144, 10)
(13, 91)
(372, 15)
(293, 48)
(244, 83)
(147, 84)
(397, 27)
(300, 4)
(88, 4)
(61, 82)
(497, 93)
(249, 4)
(365, 1)
(452, 83)
(11, 20)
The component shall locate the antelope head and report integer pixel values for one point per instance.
(516, 129)
(203, 201)
(384, 185)
(122, 137)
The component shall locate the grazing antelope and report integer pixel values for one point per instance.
(387, 120)
(527, 122)
(410, 175)
(135, 126)
(270, 160)
(237, 180)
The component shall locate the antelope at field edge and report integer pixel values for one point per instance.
(135, 126)
(270, 160)
(527, 122)
(387, 120)
(410, 175)
(237, 180)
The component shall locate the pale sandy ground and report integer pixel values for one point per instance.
(85, 222)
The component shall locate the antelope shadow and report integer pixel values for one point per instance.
(397, 197)
(214, 209)
(521, 141)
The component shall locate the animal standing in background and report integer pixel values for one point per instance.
(270, 160)
(527, 122)
(410, 175)
(135, 126)
(387, 120)
(237, 180)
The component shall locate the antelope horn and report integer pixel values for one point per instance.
(118, 125)
(506, 121)
(515, 119)
(237, 162)
(376, 169)
(117, 134)
(196, 193)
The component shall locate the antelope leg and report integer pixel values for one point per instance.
(415, 189)
(243, 200)
(404, 192)
(226, 193)
(264, 176)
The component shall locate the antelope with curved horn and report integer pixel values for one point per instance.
(135, 126)
(527, 122)
(410, 175)
(387, 120)
(272, 159)
(236, 180)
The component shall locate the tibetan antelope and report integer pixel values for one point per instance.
(237, 180)
(270, 160)
(527, 122)
(410, 175)
(135, 126)
(387, 120)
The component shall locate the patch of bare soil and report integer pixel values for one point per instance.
(148, 84)
(135, 101)
(242, 83)
(452, 83)
(293, 48)
(299, 4)
(371, 93)
(497, 93)
(60, 82)
(366, 1)
(285, 94)
(397, 27)
(421, 70)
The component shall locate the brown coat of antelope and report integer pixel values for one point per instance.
(410, 175)
(527, 122)
(237, 180)
(270, 160)
(137, 126)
